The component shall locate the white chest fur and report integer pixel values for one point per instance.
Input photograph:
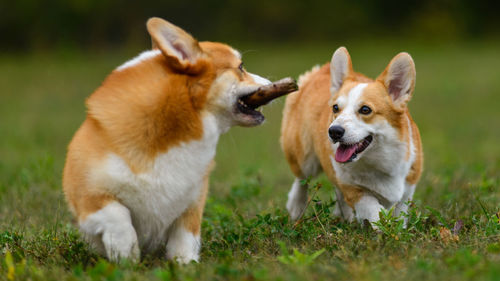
(157, 197)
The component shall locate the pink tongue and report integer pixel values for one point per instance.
(344, 153)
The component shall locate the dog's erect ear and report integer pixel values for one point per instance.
(399, 78)
(340, 68)
(180, 48)
(153, 45)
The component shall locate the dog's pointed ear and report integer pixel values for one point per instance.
(154, 46)
(340, 68)
(399, 78)
(180, 48)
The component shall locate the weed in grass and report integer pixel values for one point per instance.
(297, 258)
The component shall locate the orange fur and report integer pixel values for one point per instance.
(306, 119)
(143, 110)
(139, 126)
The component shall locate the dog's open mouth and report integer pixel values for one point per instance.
(249, 103)
(247, 109)
(347, 152)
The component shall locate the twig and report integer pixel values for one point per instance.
(301, 217)
(320, 223)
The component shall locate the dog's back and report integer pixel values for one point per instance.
(302, 110)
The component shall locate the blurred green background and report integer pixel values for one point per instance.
(54, 54)
(93, 24)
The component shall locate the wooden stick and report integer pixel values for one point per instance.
(267, 93)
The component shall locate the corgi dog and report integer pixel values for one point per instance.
(359, 132)
(136, 172)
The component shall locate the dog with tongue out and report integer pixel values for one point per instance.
(359, 132)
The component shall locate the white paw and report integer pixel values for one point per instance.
(124, 252)
(368, 208)
(183, 258)
(110, 230)
(121, 243)
(296, 208)
(183, 246)
(297, 200)
(349, 215)
(345, 212)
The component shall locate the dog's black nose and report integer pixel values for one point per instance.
(336, 132)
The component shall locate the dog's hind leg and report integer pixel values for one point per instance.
(297, 196)
(297, 199)
(184, 241)
(110, 230)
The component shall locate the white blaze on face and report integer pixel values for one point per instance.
(355, 128)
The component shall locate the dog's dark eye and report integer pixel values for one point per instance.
(241, 67)
(335, 108)
(365, 110)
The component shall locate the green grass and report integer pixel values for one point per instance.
(246, 232)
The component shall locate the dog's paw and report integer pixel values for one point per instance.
(296, 208)
(184, 258)
(297, 200)
(344, 212)
(183, 246)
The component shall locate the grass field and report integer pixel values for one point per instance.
(246, 232)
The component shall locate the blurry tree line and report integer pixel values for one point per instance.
(36, 24)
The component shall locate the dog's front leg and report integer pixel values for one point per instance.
(368, 208)
(365, 204)
(184, 241)
(342, 209)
